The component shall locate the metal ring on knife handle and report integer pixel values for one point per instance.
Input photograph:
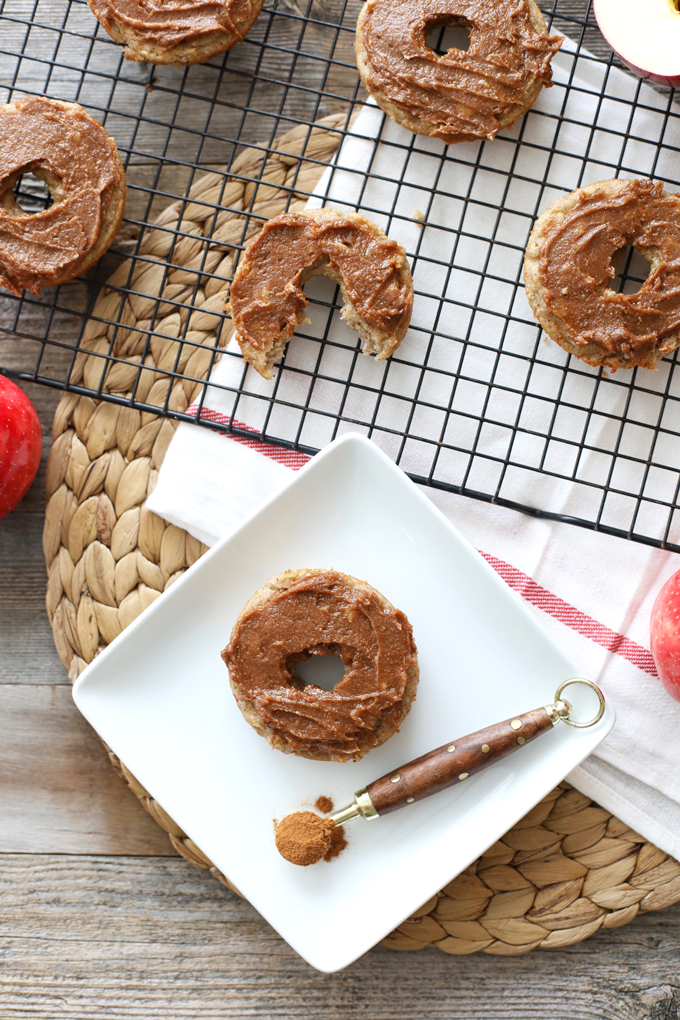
(600, 697)
(453, 763)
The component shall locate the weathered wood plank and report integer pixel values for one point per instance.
(143, 938)
(27, 652)
(58, 791)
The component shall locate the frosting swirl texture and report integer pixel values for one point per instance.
(323, 612)
(267, 300)
(165, 24)
(574, 256)
(72, 152)
(461, 95)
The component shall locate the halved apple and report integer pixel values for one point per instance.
(645, 34)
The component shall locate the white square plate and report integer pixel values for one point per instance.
(159, 696)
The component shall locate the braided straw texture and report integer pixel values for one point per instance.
(566, 869)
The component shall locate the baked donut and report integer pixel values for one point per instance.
(179, 32)
(72, 153)
(302, 613)
(570, 263)
(462, 95)
(267, 301)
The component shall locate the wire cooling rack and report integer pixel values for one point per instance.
(473, 401)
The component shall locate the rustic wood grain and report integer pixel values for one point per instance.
(58, 792)
(84, 937)
(27, 652)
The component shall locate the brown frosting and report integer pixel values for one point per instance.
(267, 295)
(79, 160)
(462, 93)
(575, 268)
(166, 23)
(323, 613)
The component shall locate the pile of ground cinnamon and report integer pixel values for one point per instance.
(303, 838)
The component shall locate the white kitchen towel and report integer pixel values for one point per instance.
(592, 592)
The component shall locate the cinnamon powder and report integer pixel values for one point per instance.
(303, 838)
(338, 843)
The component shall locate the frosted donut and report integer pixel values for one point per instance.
(72, 153)
(267, 300)
(570, 262)
(180, 32)
(462, 95)
(301, 613)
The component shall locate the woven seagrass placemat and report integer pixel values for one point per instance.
(568, 867)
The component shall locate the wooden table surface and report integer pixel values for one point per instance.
(100, 918)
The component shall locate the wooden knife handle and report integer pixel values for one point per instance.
(454, 762)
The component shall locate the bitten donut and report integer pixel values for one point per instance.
(267, 301)
(462, 95)
(302, 613)
(181, 32)
(72, 153)
(570, 262)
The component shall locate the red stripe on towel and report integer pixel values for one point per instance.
(520, 582)
(571, 616)
(289, 458)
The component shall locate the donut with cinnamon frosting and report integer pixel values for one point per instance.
(462, 95)
(72, 153)
(571, 260)
(267, 300)
(179, 32)
(301, 613)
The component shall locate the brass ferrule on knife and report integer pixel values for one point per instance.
(362, 805)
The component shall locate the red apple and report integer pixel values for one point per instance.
(20, 445)
(645, 34)
(665, 635)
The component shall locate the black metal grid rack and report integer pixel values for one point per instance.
(474, 403)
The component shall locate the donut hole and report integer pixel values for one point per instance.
(632, 267)
(30, 191)
(32, 194)
(451, 34)
(321, 668)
